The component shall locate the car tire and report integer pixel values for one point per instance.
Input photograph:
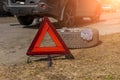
(96, 18)
(2, 12)
(68, 16)
(25, 20)
(73, 40)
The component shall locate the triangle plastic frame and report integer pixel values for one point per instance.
(60, 47)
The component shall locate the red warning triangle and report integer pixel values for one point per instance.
(35, 48)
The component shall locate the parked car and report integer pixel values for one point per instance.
(65, 11)
(108, 8)
(2, 11)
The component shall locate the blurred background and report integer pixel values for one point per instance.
(110, 5)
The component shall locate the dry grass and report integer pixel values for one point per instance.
(98, 63)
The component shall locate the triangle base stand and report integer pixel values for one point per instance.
(60, 47)
(49, 59)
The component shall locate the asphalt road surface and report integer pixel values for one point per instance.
(15, 38)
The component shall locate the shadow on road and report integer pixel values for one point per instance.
(58, 26)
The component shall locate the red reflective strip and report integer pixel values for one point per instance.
(48, 49)
(42, 35)
(35, 48)
(53, 36)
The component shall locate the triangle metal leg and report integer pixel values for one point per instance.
(69, 56)
(49, 61)
(28, 60)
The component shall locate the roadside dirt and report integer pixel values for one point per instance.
(7, 20)
(97, 63)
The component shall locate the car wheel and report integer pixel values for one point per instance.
(2, 12)
(85, 38)
(96, 19)
(68, 17)
(25, 20)
(97, 15)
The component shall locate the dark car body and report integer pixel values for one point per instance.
(2, 11)
(36, 7)
(58, 9)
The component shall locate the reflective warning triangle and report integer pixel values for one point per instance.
(47, 27)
